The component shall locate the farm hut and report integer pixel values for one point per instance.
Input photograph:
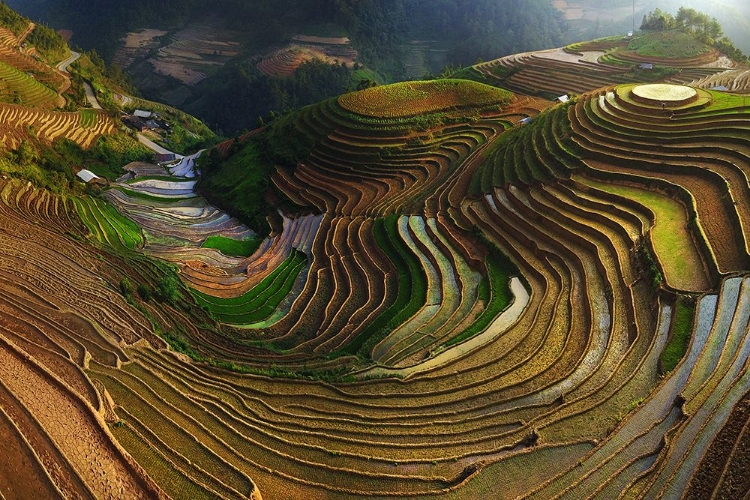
(142, 114)
(165, 157)
(563, 98)
(135, 123)
(525, 121)
(87, 175)
(646, 66)
(721, 88)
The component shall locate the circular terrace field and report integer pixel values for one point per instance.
(669, 95)
(407, 99)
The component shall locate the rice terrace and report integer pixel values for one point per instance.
(527, 279)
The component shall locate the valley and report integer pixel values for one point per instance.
(528, 280)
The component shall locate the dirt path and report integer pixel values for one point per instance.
(152, 145)
(91, 96)
(26, 32)
(62, 69)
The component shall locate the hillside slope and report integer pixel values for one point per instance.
(463, 293)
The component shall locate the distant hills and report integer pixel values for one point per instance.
(392, 40)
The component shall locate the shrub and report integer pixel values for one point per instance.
(144, 292)
(126, 287)
(168, 289)
(679, 340)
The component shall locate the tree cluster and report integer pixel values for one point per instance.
(12, 19)
(48, 43)
(380, 30)
(239, 94)
(705, 28)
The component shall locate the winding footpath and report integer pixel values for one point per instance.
(90, 95)
(63, 66)
(62, 69)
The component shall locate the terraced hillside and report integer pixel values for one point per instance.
(579, 340)
(25, 80)
(668, 57)
(286, 60)
(81, 127)
(32, 94)
(465, 294)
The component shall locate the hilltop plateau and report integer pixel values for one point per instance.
(529, 279)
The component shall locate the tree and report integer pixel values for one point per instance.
(366, 83)
(26, 153)
(658, 20)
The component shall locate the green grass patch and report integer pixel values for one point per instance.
(229, 246)
(107, 225)
(261, 301)
(407, 99)
(364, 73)
(679, 341)
(722, 101)
(668, 45)
(89, 118)
(672, 241)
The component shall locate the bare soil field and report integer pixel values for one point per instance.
(137, 44)
(189, 55)
(50, 412)
(284, 61)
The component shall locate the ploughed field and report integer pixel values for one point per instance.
(459, 306)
